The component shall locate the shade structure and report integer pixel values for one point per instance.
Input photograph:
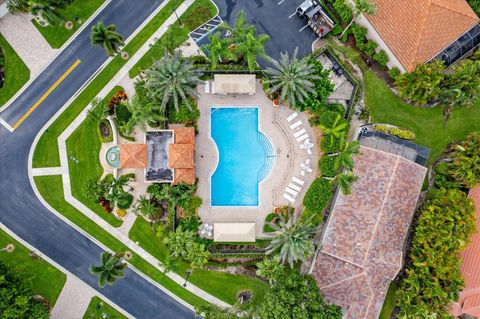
(184, 135)
(181, 156)
(234, 84)
(184, 175)
(234, 232)
(133, 155)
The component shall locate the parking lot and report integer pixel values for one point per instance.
(276, 18)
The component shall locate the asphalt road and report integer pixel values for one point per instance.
(276, 18)
(22, 212)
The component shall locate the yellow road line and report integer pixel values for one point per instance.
(46, 94)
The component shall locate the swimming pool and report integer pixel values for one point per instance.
(246, 156)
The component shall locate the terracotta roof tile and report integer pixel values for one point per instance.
(133, 155)
(417, 30)
(181, 156)
(184, 135)
(184, 175)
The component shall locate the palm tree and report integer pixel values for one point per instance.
(345, 182)
(95, 189)
(218, 50)
(170, 79)
(336, 130)
(147, 208)
(270, 269)
(294, 240)
(48, 13)
(239, 29)
(106, 37)
(143, 112)
(98, 110)
(345, 156)
(109, 270)
(117, 194)
(18, 6)
(250, 48)
(293, 77)
(360, 6)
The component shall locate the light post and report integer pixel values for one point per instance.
(178, 18)
(189, 272)
(9, 248)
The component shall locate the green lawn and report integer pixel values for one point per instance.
(46, 151)
(221, 285)
(51, 189)
(16, 72)
(85, 145)
(389, 302)
(427, 123)
(199, 12)
(46, 280)
(93, 313)
(56, 36)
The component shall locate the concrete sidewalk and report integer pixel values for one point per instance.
(27, 41)
(73, 300)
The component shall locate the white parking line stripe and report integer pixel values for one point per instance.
(292, 15)
(6, 125)
(280, 2)
(303, 28)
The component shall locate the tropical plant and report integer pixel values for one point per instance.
(270, 269)
(218, 50)
(146, 208)
(359, 7)
(465, 165)
(98, 110)
(182, 245)
(318, 195)
(16, 296)
(345, 155)
(292, 77)
(144, 112)
(211, 311)
(250, 48)
(18, 6)
(345, 182)
(106, 37)
(296, 296)
(336, 130)
(240, 28)
(423, 85)
(171, 79)
(45, 9)
(117, 194)
(110, 269)
(317, 101)
(293, 243)
(344, 9)
(96, 190)
(48, 13)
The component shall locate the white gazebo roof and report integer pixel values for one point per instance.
(234, 232)
(233, 84)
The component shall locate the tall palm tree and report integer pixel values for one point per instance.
(218, 50)
(336, 130)
(18, 6)
(106, 37)
(170, 79)
(48, 13)
(293, 243)
(359, 7)
(95, 189)
(345, 155)
(116, 192)
(98, 110)
(250, 48)
(293, 77)
(239, 29)
(109, 270)
(144, 112)
(147, 208)
(345, 182)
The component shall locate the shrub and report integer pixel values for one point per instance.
(394, 73)
(370, 48)
(198, 59)
(360, 35)
(102, 128)
(327, 118)
(328, 165)
(382, 58)
(123, 114)
(116, 99)
(329, 146)
(344, 10)
(121, 212)
(336, 30)
(126, 201)
(399, 132)
(184, 115)
(314, 218)
(318, 195)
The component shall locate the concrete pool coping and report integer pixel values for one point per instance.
(289, 156)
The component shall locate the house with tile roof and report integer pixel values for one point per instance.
(418, 31)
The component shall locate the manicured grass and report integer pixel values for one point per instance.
(16, 72)
(85, 145)
(219, 284)
(46, 151)
(56, 36)
(427, 123)
(389, 303)
(51, 189)
(46, 280)
(93, 313)
(199, 12)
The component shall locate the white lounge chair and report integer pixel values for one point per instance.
(295, 125)
(295, 187)
(291, 191)
(298, 133)
(301, 138)
(298, 181)
(309, 152)
(207, 87)
(291, 117)
(289, 198)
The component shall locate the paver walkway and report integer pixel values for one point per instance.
(27, 41)
(73, 300)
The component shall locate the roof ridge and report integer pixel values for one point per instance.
(438, 3)
(420, 35)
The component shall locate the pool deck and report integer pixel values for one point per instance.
(289, 156)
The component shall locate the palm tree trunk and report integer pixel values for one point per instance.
(348, 26)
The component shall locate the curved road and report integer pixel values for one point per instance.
(23, 213)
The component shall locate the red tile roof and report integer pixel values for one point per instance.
(133, 155)
(184, 135)
(417, 30)
(362, 248)
(469, 301)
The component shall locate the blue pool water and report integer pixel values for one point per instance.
(245, 156)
